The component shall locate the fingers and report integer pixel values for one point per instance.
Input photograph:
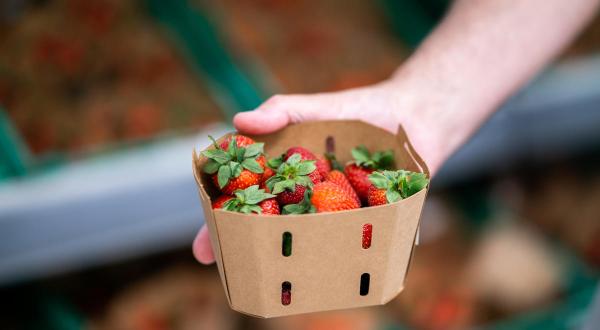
(201, 247)
(278, 112)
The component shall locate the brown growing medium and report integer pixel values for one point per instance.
(79, 74)
(340, 44)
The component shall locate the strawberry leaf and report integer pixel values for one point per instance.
(231, 205)
(217, 155)
(379, 180)
(240, 153)
(392, 196)
(253, 150)
(293, 209)
(414, 183)
(306, 167)
(384, 159)
(236, 169)
(274, 163)
(255, 208)
(294, 159)
(252, 165)
(245, 209)
(232, 148)
(214, 142)
(284, 185)
(304, 181)
(255, 196)
(361, 155)
(211, 167)
(305, 206)
(272, 181)
(223, 176)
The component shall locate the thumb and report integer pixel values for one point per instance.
(276, 113)
(201, 247)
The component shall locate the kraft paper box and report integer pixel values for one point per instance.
(328, 265)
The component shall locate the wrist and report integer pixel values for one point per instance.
(436, 122)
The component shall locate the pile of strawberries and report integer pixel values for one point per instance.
(299, 181)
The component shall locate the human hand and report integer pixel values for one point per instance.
(382, 105)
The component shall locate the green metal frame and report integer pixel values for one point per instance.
(15, 159)
(199, 40)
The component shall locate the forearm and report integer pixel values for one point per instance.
(482, 52)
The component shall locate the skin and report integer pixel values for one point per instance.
(480, 54)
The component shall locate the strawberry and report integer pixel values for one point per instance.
(267, 174)
(235, 167)
(292, 178)
(391, 186)
(359, 179)
(244, 180)
(242, 141)
(364, 164)
(329, 197)
(304, 153)
(323, 166)
(376, 196)
(249, 200)
(270, 206)
(340, 179)
(218, 203)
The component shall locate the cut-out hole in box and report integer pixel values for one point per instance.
(367, 234)
(286, 293)
(286, 244)
(365, 280)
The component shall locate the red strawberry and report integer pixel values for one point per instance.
(241, 141)
(304, 153)
(340, 179)
(249, 200)
(238, 168)
(293, 197)
(243, 181)
(364, 164)
(323, 166)
(267, 174)
(329, 197)
(269, 207)
(359, 179)
(376, 196)
(391, 186)
(218, 203)
(293, 177)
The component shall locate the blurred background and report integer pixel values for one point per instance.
(102, 101)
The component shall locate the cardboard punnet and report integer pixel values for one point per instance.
(327, 258)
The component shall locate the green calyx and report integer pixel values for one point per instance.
(246, 201)
(231, 162)
(398, 184)
(290, 173)
(305, 206)
(381, 160)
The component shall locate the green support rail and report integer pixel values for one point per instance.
(14, 155)
(200, 42)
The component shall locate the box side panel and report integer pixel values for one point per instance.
(243, 261)
(326, 262)
(402, 245)
(209, 219)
